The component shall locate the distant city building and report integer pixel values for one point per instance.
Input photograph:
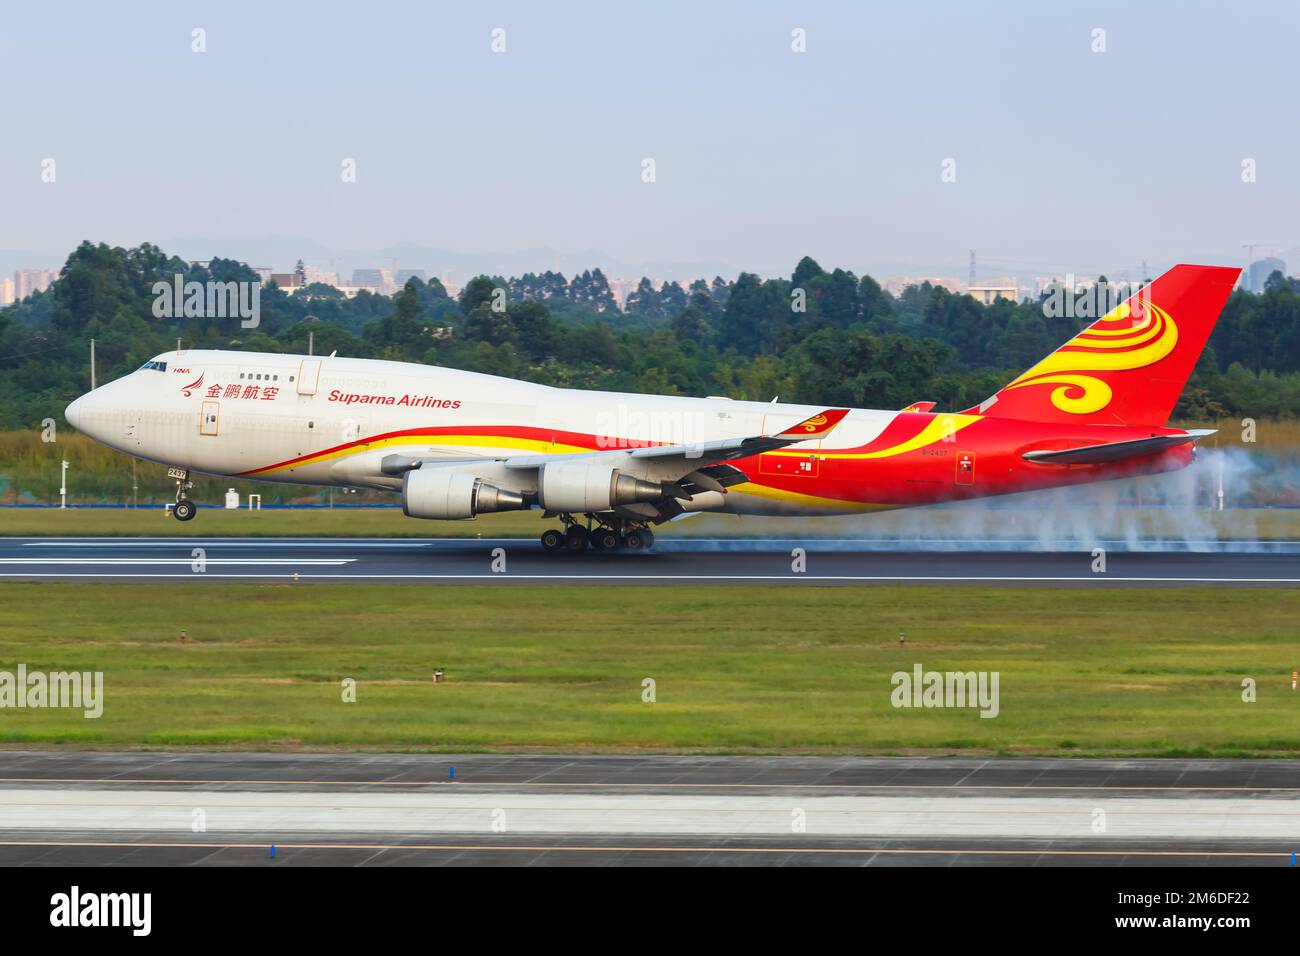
(30, 281)
(1043, 284)
(1257, 274)
(1047, 283)
(6, 291)
(376, 280)
(990, 292)
(287, 280)
(895, 287)
(404, 274)
(621, 289)
(311, 276)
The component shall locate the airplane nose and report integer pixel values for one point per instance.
(74, 413)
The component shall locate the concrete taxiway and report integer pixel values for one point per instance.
(673, 561)
(362, 809)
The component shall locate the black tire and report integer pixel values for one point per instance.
(184, 510)
(575, 540)
(634, 541)
(552, 540)
(603, 539)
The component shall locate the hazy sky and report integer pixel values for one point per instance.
(1065, 158)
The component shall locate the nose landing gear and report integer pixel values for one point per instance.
(184, 509)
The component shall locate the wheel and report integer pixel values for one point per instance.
(184, 510)
(575, 540)
(602, 539)
(552, 540)
(634, 541)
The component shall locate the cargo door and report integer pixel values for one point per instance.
(308, 379)
(209, 418)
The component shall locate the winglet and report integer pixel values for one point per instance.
(920, 407)
(817, 426)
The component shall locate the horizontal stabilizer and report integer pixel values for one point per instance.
(1115, 450)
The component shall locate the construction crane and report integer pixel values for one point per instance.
(1250, 248)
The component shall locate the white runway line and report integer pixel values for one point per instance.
(449, 812)
(221, 543)
(295, 562)
(696, 578)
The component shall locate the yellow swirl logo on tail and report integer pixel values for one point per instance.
(1148, 336)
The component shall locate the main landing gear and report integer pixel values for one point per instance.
(615, 534)
(184, 509)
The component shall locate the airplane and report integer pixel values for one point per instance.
(612, 466)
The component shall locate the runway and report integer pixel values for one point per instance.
(365, 809)
(814, 561)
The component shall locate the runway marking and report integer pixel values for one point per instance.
(578, 576)
(223, 543)
(333, 562)
(864, 543)
(1270, 547)
(780, 812)
(550, 848)
(140, 781)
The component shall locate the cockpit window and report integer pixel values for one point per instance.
(157, 366)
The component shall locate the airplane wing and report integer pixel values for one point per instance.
(920, 407)
(710, 452)
(1115, 450)
(683, 470)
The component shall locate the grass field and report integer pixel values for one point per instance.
(806, 670)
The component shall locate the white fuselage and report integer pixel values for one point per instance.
(330, 421)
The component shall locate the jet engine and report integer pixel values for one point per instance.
(577, 488)
(443, 493)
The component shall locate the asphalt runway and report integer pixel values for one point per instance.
(373, 810)
(673, 561)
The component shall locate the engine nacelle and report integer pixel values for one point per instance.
(577, 487)
(443, 493)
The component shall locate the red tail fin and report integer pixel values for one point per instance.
(1130, 366)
